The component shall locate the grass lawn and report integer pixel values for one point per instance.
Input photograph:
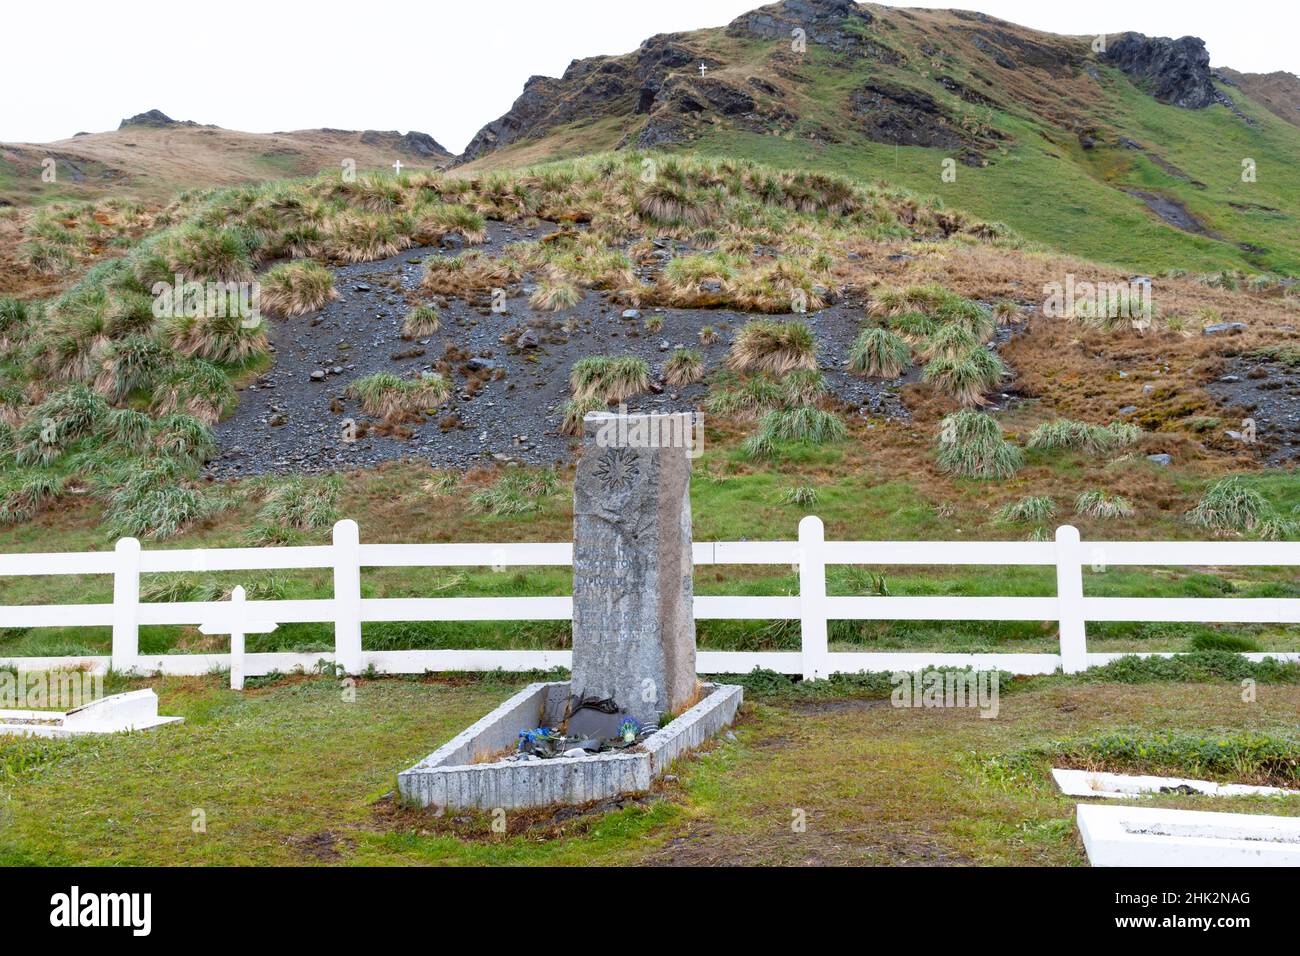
(291, 773)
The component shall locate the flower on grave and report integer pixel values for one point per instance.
(531, 738)
(628, 729)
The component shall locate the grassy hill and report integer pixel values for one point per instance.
(1047, 136)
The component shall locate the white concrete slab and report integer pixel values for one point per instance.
(1090, 783)
(1154, 836)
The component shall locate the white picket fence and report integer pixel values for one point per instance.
(347, 610)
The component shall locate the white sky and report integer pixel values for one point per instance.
(444, 67)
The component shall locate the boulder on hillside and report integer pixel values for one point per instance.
(1173, 71)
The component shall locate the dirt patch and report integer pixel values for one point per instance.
(325, 846)
(701, 846)
(539, 823)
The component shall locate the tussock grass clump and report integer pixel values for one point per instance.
(747, 399)
(708, 335)
(971, 445)
(1093, 439)
(765, 345)
(130, 363)
(150, 502)
(555, 293)
(879, 353)
(802, 423)
(965, 378)
(949, 341)
(1099, 504)
(575, 410)
(385, 395)
(296, 288)
(667, 203)
(225, 340)
(684, 367)
(1229, 505)
(1029, 508)
(805, 496)
(183, 439)
(23, 497)
(300, 503)
(193, 387)
(610, 379)
(518, 491)
(420, 321)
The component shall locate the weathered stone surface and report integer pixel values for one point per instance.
(1173, 71)
(633, 620)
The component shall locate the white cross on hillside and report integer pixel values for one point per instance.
(702, 69)
(398, 167)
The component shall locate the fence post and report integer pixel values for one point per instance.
(347, 596)
(125, 651)
(238, 618)
(812, 597)
(1069, 596)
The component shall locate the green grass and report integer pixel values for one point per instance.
(291, 773)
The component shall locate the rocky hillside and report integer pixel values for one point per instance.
(1138, 143)
(152, 156)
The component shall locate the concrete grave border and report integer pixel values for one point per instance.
(449, 777)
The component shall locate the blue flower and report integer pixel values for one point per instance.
(533, 737)
(628, 729)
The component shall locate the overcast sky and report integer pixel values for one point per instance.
(444, 67)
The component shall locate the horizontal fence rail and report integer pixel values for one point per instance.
(810, 555)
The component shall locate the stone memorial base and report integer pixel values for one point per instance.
(470, 771)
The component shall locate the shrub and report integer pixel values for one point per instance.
(971, 445)
(684, 367)
(296, 288)
(609, 379)
(879, 352)
(1029, 508)
(395, 399)
(420, 321)
(765, 345)
(1098, 504)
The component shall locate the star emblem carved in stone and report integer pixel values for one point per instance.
(617, 469)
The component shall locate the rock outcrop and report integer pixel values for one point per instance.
(154, 119)
(1173, 71)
